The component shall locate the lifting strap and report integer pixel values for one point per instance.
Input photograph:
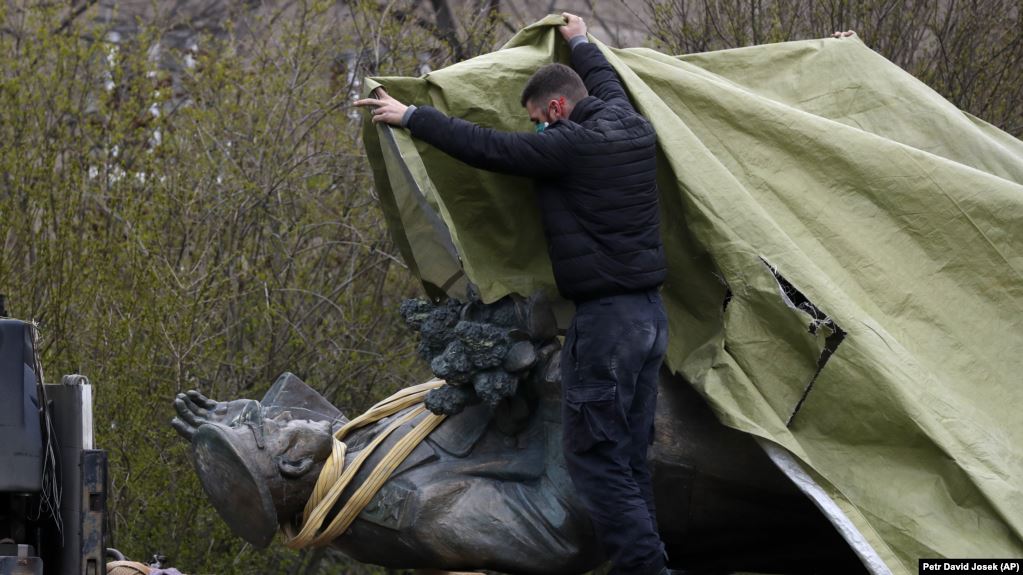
(335, 477)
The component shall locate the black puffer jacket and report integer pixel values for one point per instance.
(595, 180)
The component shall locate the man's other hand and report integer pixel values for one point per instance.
(385, 108)
(845, 34)
(573, 26)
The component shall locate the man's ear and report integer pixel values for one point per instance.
(556, 109)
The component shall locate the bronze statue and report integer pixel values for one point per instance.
(488, 488)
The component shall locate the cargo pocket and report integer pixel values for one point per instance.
(595, 349)
(591, 417)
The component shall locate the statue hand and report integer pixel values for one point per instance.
(195, 409)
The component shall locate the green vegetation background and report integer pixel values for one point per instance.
(205, 217)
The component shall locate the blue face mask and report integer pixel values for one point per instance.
(540, 127)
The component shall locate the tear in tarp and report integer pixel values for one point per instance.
(890, 209)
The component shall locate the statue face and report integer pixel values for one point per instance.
(297, 444)
(259, 472)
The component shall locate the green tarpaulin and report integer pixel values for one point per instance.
(809, 190)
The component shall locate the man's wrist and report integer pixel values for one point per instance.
(576, 40)
(407, 115)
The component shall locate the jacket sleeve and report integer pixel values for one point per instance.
(600, 78)
(520, 154)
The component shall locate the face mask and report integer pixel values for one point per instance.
(540, 127)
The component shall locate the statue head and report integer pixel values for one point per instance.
(258, 461)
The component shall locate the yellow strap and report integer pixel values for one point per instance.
(381, 473)
(334, 477)
(405, 398)
(127, 568)
(330, 472)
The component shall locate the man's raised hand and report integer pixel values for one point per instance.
(385, 108)
(573, 26)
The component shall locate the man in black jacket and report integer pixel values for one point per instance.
(593, 160)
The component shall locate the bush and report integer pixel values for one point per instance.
(199, 216)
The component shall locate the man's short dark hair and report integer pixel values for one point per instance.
(553, 81)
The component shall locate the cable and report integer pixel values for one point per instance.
(50, 495)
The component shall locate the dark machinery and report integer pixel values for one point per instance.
(53, 483)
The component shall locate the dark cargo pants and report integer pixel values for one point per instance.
(609, 370)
